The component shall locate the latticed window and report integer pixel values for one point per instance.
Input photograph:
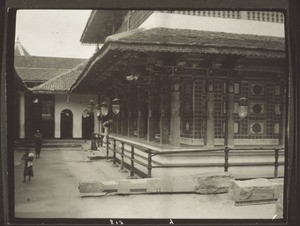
(187, 109)
(199, 108)
(264, 110)
(219, 111)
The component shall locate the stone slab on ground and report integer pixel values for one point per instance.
(256, 191)
(208, 183)
(212, 183)
(279, 207)
(278, 189)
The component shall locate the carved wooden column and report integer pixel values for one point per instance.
(141, 117)
(124, 113)
(210, 134)
(282, 124)
(229, 123)
(175, 114)
(164, 112)
(130, 112)
(151, 112)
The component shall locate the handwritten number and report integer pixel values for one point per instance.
(116, 222)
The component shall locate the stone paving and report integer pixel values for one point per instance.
(53, 193)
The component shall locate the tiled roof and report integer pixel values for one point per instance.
(61, 83)
(32, 68)
(194, 41)
(18, 83)
(165, 40)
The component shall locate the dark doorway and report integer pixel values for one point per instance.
(39, 115)
(87, 125)
(66, 124)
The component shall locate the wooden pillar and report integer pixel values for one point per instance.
(141, 117)
(130, 113)
(151, 113)
(120, 115)
(283, 122)
(100, 100)
(229, 123)
(22, 115)
(175, 115)
(164, 112)
(124, 117)
(210, 134)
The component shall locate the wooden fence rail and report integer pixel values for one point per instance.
(149, 153)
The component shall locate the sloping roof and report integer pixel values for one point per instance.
(165, 40)
(18, 83)
(32, 68)
(195, 41)
(99, 25)
(61, 83)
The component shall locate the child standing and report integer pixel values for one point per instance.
(38, 143)
(28, 164)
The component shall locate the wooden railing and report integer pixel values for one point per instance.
(145, 157)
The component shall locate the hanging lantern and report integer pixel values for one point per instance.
(116, 106)
(243, 107)
(90, 107)
(35, 101)
(96, 110)
(104, 109)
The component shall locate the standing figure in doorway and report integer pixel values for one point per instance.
(38, 143)
(28, 164)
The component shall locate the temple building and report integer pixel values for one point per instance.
(45, 103)
(185, 78)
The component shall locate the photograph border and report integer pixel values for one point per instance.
(292, 198)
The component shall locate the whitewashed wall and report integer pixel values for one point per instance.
(169, 20)
(77, 103)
